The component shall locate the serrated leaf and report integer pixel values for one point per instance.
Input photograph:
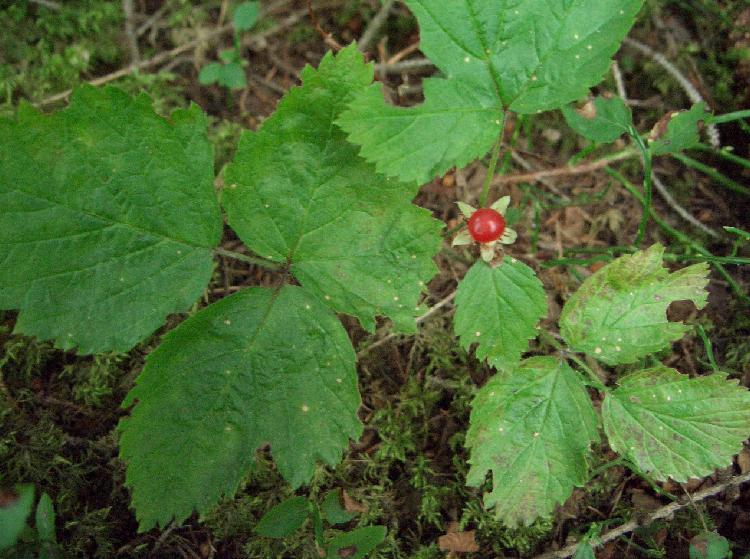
(245, 16)
(681, 131)
(525, 56)
(284, 519)
(357, 543)
(108, 218)
(298, 193)
(15, 508)
(532, 428)
(601, 120)
(619, 314)
(498, 308)
(45, 519)
(584, 551)
(672, 426)
(259, 366)
(332, 510)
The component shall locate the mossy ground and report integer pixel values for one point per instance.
(58, 412)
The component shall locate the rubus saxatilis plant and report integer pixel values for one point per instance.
(109, 222)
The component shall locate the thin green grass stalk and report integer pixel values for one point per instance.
(730, 117)
(647, 185)
(725, 154)
(713, 173)
(249, 259)
(678, 235)
(709, 348)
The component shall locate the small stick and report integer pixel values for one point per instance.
(537, 176)
(664, 512)
(375, 24)
(327, 37)
(127, 10)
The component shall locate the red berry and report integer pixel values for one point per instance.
(486, 225)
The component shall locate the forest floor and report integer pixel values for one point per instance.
(58, 411)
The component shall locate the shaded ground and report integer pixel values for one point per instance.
(58, 411)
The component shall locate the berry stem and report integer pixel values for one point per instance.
(493, 163)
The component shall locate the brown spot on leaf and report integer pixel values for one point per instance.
(8, 497)
(349, 551)
(350, 505)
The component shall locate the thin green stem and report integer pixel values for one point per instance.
(647, 186)
(551, 340)
(249, 259)
(680, 236)
(725, 154)
(724, 181)
(493, 164)
(729, 117)
(709, 347)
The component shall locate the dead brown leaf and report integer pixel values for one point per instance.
(458, 542)
(350, 505)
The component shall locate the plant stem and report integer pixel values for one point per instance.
(493, 164)
(729, 117)
(682, 237)
(249, 259)
(725, 154)
(647, 185)
(551, 340)
(709, 348)
(724, 181)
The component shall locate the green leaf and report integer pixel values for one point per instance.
(532, 428)
(297, 193)
(246, 15)
(14, 510)
(210, 73)
(602, 120)
(45, 519)
(108, 219)
(709, 545)
(357, 543)
(672, 426)
(233, 76)
(456, 124)
(584, 551)
(261, 366)
(682, 131)
(619, 314)
(284, 519)
(498, 308)
(332, 510)
(525, 56)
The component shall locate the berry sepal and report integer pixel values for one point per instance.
(486, 227)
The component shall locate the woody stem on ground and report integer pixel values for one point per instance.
(249, 259)
(493, 164)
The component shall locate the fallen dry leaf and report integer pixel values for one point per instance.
(458, 542)
(350, 505)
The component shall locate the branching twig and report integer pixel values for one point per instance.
(689, 88)
(175, 52)
(664, 512)
(537, 176)
(375, 24)
(413, 65)
(328, 38)
(420, 319)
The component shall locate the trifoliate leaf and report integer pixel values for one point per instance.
(532, 428)
(298, 193)
(245, 15)
(498, 308)
(284, 519)
(15, 508)
(601, 120)
(107, 219)
(233, 76)
(357, 543)
(619, 314)
(672, 426)
(678, 131)
(523, 55)
(261, 366)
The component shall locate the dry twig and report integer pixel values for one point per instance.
(375, 24)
